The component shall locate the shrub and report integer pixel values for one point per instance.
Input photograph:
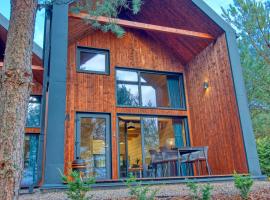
(263, 147)
(140, 192)
(77, 187)
(200, 193)
(243, 183)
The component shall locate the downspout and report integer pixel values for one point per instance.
(46, 73)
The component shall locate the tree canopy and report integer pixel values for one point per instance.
(251, 19)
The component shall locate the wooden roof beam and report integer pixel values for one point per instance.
(143, 26)
(34, 67)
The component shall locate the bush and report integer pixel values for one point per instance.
(77, 187)
(243, 183)
(140, 192)
(200, 193)
(263, 147)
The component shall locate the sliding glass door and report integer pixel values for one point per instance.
(93, 144)
(138, 135)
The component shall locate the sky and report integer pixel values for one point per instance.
(39, 27)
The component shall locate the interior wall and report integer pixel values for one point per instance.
(214, 113)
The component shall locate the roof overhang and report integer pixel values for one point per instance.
(176, 16)
(4, 25)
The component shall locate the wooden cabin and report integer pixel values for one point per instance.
(173, 81)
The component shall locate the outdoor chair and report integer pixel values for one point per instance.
(198, 157)
(156, 159)
(170, 158)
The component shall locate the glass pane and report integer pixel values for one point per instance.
(33, 112)
(124, 75)
(92, 146)
(30, 160)
(130, 139)
(127, 95)
(92, 61)
(162, 133)
(149, 97)
(154, 90)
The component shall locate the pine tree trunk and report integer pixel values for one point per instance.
(15, 88)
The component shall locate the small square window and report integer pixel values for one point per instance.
(92, 60)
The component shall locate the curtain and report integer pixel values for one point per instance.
(180, 141)
(174, 91)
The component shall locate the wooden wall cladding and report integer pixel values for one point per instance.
(214, 113)
(96, 93)
(36, 88)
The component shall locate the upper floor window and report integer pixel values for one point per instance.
(33, 112)
(93, 60)
(138, 88)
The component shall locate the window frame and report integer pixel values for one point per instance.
(40, 98)
(105, 52)
(140, 84)
(186, 126)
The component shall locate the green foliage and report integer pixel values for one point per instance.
(200, 192)
(263, 147)
(107, 8)
(193, 187)
(243, 183)
(77, 187)
(252, 22)
(125, 97)
(140, 192)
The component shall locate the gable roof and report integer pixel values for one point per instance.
(191, 15)
(4, 24)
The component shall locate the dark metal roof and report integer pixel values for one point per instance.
(4, 24)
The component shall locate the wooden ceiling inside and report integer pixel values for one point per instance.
(180, 14)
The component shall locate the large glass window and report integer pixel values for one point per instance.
(93, 60)
(139, 135)
(148, 89)
(93, 144)
(30, 160)
(33, 112)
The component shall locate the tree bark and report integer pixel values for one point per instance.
(15, 88)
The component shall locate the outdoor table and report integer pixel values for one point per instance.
(185, 151)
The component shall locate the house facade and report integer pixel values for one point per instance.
(173, 80)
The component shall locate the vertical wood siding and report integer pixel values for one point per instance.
(96, 93)
(214, 113)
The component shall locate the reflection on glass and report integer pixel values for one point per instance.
(158, 133)
(149, 97)
(29, 176)
(33, 112)
(152, 89)
(124, 75)
(92, 147)
(92, 61)
(162, 133)
(127, 95)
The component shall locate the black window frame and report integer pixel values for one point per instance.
(118, 115)
(139, 83)
(40, 100)
(105, 52)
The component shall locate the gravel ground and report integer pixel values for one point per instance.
(226, 190)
